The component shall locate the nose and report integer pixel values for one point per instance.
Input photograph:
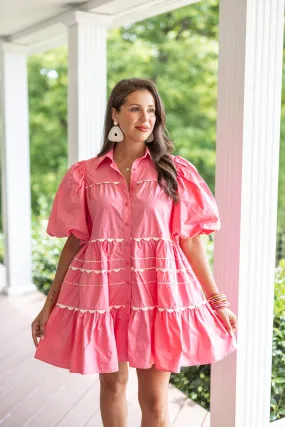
(144, 116)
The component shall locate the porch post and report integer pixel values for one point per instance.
(87, 83)
(16, 190)
(248, 134)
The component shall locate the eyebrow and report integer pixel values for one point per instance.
(151, 105)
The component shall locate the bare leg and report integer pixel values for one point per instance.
(113, 402)
(153, 397)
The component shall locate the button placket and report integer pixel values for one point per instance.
(128, 229)
(127, 237)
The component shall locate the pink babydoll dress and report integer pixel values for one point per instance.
(130, 293)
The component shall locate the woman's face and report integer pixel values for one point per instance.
(138, 111)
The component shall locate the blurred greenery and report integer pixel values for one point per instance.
(45, 254)
(278, 353)
(48, 126)
(195, 380)
(178, 51)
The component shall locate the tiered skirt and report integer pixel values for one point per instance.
(146, 309)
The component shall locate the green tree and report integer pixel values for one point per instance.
(281, 181)
(48, 125)
(179, 52)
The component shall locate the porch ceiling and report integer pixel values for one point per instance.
(41, 26)
(17, 15)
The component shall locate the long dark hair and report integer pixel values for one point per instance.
(161, 147)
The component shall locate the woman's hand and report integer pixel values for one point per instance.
(228, 318)
(38, 325)
(70, 249)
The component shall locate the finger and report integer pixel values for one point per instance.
(229, 326)
(34, 336)
(42, 330)
(34, 324)
(233, 322)
(234, 326)
(35, 341)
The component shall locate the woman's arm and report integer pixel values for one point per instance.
(70, 249)
(196, 254)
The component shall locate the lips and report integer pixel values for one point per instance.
(143, 129)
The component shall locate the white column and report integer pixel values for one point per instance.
(87, 83)
(16, 189)
(248, 131)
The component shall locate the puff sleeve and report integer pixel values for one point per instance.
(68, 214)
(197, 211)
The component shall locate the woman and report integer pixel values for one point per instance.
(133, 285)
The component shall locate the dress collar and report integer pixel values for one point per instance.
(110, 154)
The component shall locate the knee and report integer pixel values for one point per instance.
(154, 406)
(113, 386)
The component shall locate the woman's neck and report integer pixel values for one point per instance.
(127, 153)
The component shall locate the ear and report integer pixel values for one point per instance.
(114, 115)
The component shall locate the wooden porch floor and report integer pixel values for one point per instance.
(35, 394)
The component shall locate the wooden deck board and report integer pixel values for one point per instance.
(57, 399)
(83, 410)
(207, 420)
(190, 414)
(34, 393)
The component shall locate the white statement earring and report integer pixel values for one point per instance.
(115, 134)
(149, 138)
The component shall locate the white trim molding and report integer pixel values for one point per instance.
(53, 29)
(248, 135)
(16, 189)
(87, 87)
(86, 18)
(13, 47)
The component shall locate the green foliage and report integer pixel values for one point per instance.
(278, 350)
(194, 381)
(279, 294)
(178, 51)
(278, 370)
(45, 254)
(48, 125)
(281, 181)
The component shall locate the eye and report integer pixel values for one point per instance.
(152, 110)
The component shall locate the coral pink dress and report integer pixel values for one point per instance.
(130, 293)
